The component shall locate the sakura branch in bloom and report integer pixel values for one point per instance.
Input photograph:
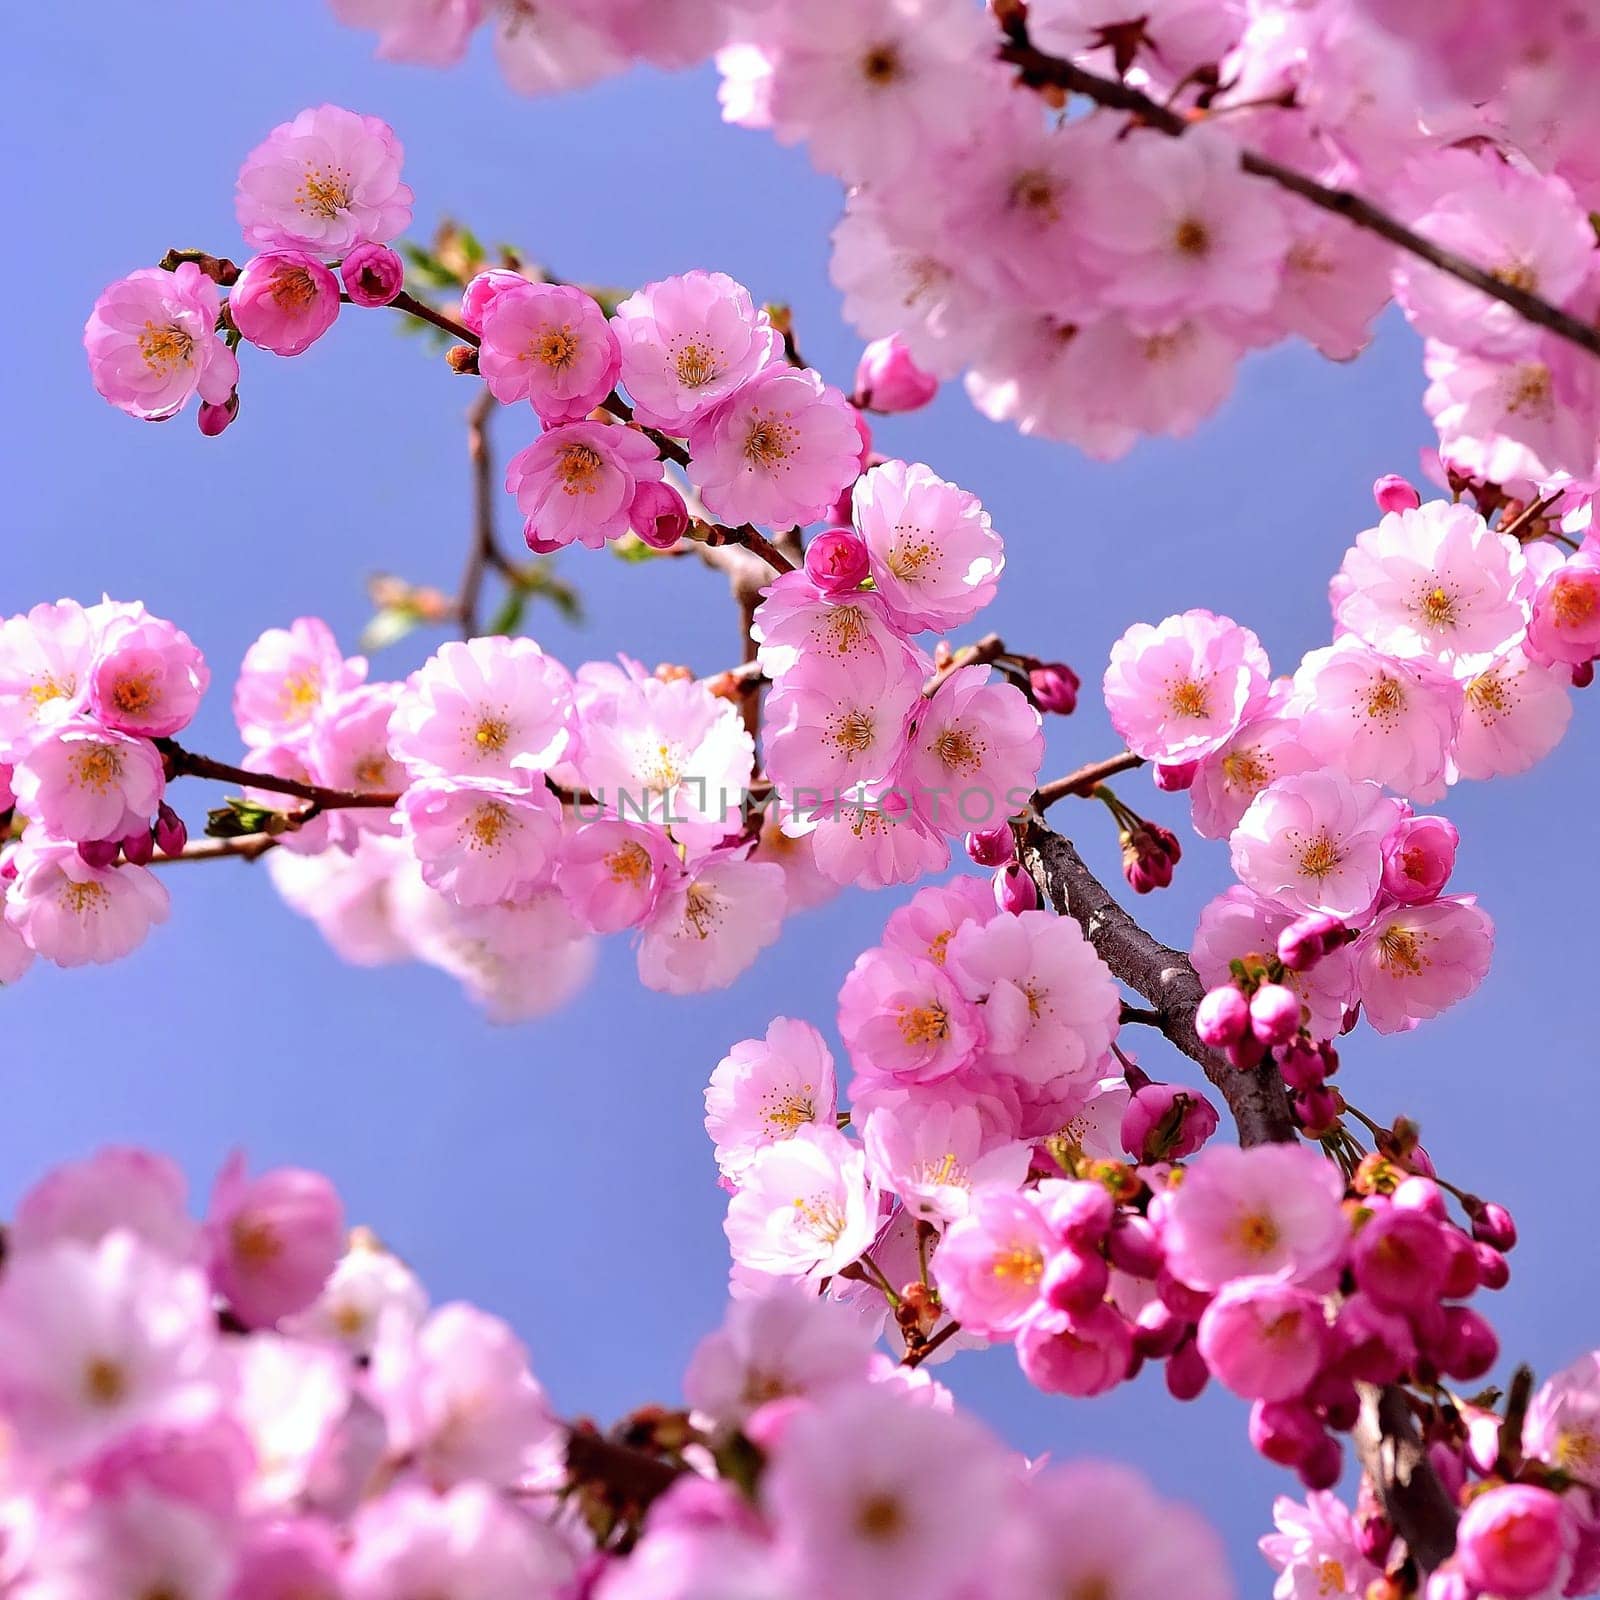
(241, 1411)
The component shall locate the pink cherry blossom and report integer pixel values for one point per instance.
(1239, 922)
(1566, 612)
(804, 1207)
(287, 677)
(541, 48)
(872, 837)
(888, 378)
(796, 622)
(805, 884)
(481, 840)
(484, 708)
(46, 660)
(349, 749)
(289, 1400)
(117, 1189)
(72, 914)
(83, 781)
(767, 1089)
(1563, 1421)
(368, 1292)
(1515, 713)
(1418, 858)
(785, 1343)
(1081, 1353)
(935, 1155)
(1516, 1540)
(1271, 1211)
(373, 275)
(577, 482)
(100, 1339)
(151, 341)
(1179, 690)
(1314, 842)
(1264, 1339)
(974, 757)
(1415, 961)
(925, 925)
(903, 1018)
(1264, 749)
(991, 1262)
(687, 344)
(273, 1239)
(284, 301)
(873, 1492)
(711, 925)
(778, 451)
(324, 182)
(611, 873)
(1317, 1544)
(548, 344)
(148, 677)
(934, 557)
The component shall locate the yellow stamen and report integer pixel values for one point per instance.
(323, 192)
(1400, 952)
(104, 1382)
(578, 466)
(1193, 237)
(1320, 857)
(696, 365)
(629, 863)
(1258, 1234)
(1189, 698)
(165, 349)
(924, 1024)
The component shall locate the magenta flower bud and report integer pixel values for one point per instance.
(99, 853)
(1322, 1468)
(1055, 688)
(1179, 1298)
(1222, 1017)
(1308, 939)
(215, 419)
(1173, 777)
(1423, 1195)
(1247, 1053)
(1337, 1400)
(837, 561)
(170, 833)
(1448, 1583)
(1156, 1332)
(1493, 1225)
(1187, 1373)
(482, 291)
(1284, 1431)
(1470, 1345)
(1081, 1353)
(1461, 1274)
(1375, 1538)
(373, 275)
(284, 301)
(1370, 1344)
(1418, 858)
(993, 847)
(273, 1240)
(1263, 1339)
(140, 847)
(1134, 1246)
(1075, 1280)
(1494, 1271)
(1149, 853)
(1302, 1065)
(1274, 1014)
(888, 378)
(1165, 1122)
(1014, 890)
(1515, 1541)
(1077, 1211)
(658, 515)
(1394, 493)
(1583, 675)
(1400, 1258)
(1317, 1110)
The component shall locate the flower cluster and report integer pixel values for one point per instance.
(256, 1406)
(86, 693)
(1037, 254)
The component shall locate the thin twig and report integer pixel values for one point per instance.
(989, 648)
(482, 551)
(185, 763)
(915, 1357)
(1085, 780)
(249, 847)
(420, 309)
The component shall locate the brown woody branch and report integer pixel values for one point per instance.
(183, 763)
(1085, 780)
(1040, 70)
(1395, 1459)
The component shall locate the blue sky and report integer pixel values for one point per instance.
(557, 1172)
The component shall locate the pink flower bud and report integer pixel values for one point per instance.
(1461, 1276)
(1174, 777)
(1157, 1333)
(888, 379)
(1055, 687)
(1182, 1300)
(1394, 493)
(658, 515)
(1246, 1053)
(1515, 1541)
(1375, 1538)
(215, 419)
(140, 847)
(1370, 1344)
(1077, 1211)
(170, 833)
(1449, 1467)
(1583, 675)
(1149, 853)
(1317, 1110)
(1302, 1065)
(1309, 938)
(1418, 858)
(1494, 1271)
(1423, 1195)
(1274, 1014)
(993, 847)
(99, 853)
(1470, 1346)
(284, 301)
(1337, 1400)
(482, 291)
(373, 275)
(273, 1240)
(1492, 1224)
(1075, 1280)
(1285, 1431)
(1165, 1122)
(1014, 890)
(837, 561)
(1323, 1467)
(1081, 1354)
(1187, 1373)
(1222, 1017)
(864, 433)
(1134, 1247)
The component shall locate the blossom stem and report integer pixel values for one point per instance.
(484, 550)
(413, 307)
(1085, 780)
(1037, 69)
(987, 649)
(183, 763)
(915, 1358)
(249, 847)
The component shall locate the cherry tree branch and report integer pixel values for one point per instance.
(1085, 780)
(183, 763)
(248, 847)
(483, 552)
(1040, 70)
(629, 1477)
(1395, 1459)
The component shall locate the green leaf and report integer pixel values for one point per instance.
(509, 617)
(237, 818)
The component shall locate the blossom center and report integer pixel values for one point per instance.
(166, 348)
(845, 628)
(1193, 237)
(556, 348)
(43, 690)
(1258, 1234)
(489, 824)
(1400, 951)
(255, 1241)
(1244, 769)
(881, 1518)
(97, 767)
(578, 466)
(1035, 191)
(1572, 601)
(324, 192)
(924, 1024)
(293, 288)
(700, 910)
(881, 64)
(134, 694)
(1486, 694)
(83, 899)
(629, 863)
(1530, 390)
(371, 770)
(821, 1215)
(1518, 275)
(1330, 1577)
(855, 732)
(1320, 856)
(1385, 699)
(1437, 607)
(1188, 697)
(491, 735)
(957, 749)
(300, 691)
(908, 556)
(791, 1112)
(696, 365)
(945, 1171)
(768, 443)
(104, 1382)
(1023, 1264)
